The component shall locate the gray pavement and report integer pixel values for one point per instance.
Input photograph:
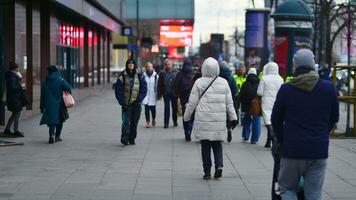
(90, 163)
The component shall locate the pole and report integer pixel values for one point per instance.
(138, 31)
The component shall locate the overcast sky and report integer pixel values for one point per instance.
(219, 16)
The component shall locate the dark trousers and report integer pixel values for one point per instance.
(55, 130)
(130, 118)
(188, 126)
(148, 110)
(170, 100)
(206, 147)
(14, 119)
(269, 133)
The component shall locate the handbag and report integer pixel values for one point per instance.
(256, 108)
(68, 99)
(193, 115)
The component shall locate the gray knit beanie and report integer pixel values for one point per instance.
(304, 58)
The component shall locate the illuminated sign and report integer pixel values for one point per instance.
(176, 35)
(70, 35)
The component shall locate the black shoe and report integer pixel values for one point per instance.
(268, 144)
(18, 134)
(187, 137)
(124, 141)
(165, 126)
(57, 139)
(8, 133)
(229, 136)
(175, 124)
(50, 140)
(207, 177)
(132, 142)
(218, 172)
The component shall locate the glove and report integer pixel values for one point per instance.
(233, 123)
(229, 136)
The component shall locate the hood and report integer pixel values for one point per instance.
(187, 66)
(253, 78)
(224, 72)
(53, 76)
(210, 68)
(130, 61)
(271, 68)
(305, 82)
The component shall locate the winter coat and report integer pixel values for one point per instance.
(14, 91)
(210, 109)
(226, 74)
(52, 99)
(151, 97)
(305, 111)
(268, 88)
(248, 92)
(166, 82)
(120, 93)
(182, 83)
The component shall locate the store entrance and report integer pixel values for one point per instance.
(68, 60)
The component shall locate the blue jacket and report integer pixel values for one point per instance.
(226, 74)
(302, 120)
(119, 90)
(52, 98)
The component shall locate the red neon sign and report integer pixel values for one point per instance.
(176, 35)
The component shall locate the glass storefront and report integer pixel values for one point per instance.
(36, 46)
(20, 37)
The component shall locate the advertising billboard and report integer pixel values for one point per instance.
(176, 35)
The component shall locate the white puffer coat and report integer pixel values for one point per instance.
(268, 89)
(151, 97)
(213, 107)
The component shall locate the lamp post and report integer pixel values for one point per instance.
(138, 31)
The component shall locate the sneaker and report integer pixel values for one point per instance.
(218, 173)
(132, 142)
(8, 133)
(50, 140)
(207, 177)
(124, 141)
(57, 139)
(268, 144)
(243, 140)
(18, 134)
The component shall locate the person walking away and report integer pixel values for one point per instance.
(226, 74)
(209, 101)
(247, 94)
(165, 90)
(52, 105)
(267, 89)
(130, 90)
(151, 78)
(305, 111)
(182, 89)
(14, 99)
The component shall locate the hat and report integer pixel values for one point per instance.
(304, 58)
(52, 68)
(252, 71)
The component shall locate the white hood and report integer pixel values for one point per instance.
(271, 68)
(210, 68)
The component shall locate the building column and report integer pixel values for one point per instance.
(29, 70)
(45, 38)
(86, 55)
(108, 56)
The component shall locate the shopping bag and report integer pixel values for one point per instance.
(68, 99)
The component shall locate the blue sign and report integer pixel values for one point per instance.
(254, 30)
(126, 31)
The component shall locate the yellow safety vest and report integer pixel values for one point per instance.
(239, 81)
(288, 79)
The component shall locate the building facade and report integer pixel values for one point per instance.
(74, 35)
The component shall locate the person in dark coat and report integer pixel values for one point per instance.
(227, 75)
(52, 106)
(182, 89)
(247, 93)
(130, 90)
(325, 72)
(14, 99)
(165, 89)
(305, 111)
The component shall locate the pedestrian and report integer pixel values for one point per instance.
(182, 89)
(226, 74)
(209, 103)
(150, 100)
(166, 90)
(324, 72)
(267, 90)
(247, 94)
(52, 105)
(130, 90)
(15, 94)
(305, 111)
(240, 77)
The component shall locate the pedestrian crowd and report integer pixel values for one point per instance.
(298, 112)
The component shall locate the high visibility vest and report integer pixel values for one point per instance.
(239, 81)
(288, 79)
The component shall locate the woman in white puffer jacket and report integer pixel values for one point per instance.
(211, 111)
(268, 88)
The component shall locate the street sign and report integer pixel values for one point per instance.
(126, 31)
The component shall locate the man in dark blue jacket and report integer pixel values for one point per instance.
(304, 113)
(130, 90)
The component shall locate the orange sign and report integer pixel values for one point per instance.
(176, 35)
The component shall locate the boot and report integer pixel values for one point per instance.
(50, 140)
(153, 123)
(124, 141)
(18, 134)
(268, 144)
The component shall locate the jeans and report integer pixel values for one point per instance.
(149, 109)
(206, 147)
(55, 130)
(292, 170)
(14, 119)
(247, 121)
(130, 118)
(170, 100)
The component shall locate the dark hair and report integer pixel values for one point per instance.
(13, 65)
(52, 68)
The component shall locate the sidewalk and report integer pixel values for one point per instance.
(91, 163)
